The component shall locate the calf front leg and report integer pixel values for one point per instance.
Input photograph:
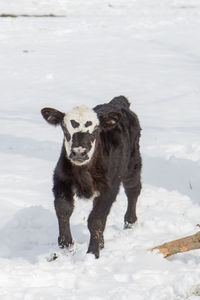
(64, 209)
(96, 226)
(64, 205)
(97, 221)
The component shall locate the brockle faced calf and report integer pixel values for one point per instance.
(100, 150)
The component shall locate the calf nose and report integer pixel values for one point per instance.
(78, 151)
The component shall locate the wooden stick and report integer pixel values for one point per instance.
(31, 16)
(181, 245)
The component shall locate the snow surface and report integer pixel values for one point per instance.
(147, 50)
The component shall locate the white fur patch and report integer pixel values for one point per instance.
(68, 146)
(81, 115)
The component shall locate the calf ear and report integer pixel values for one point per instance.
(110, 120)
(52, 116)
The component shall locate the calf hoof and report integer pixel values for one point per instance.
(95, 253)
(94, 249)
(128, 225)
(129, 221)
(64, 243)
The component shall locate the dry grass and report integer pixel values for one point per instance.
(31, 16)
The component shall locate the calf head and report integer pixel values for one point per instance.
(81, 127)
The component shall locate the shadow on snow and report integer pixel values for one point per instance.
(174, 174)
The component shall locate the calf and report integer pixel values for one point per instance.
(100, 150)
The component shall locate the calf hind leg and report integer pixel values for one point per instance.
(132, 194)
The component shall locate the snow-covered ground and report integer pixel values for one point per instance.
(147, 50)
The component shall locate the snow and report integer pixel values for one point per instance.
(147, 50)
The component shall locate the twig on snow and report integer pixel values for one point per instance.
(181, 245)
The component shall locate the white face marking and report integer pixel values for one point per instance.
(81, 115)
(68, 146)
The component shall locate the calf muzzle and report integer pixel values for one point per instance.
(78, 154)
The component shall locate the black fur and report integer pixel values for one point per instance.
(116, 160)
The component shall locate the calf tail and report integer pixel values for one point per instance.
(121, 102)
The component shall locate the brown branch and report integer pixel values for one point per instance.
(31, 16)
(181, 245)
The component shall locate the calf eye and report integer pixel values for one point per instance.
(74, 123)
(88, 123)
(110, 122)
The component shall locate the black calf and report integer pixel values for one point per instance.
(100, 151)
